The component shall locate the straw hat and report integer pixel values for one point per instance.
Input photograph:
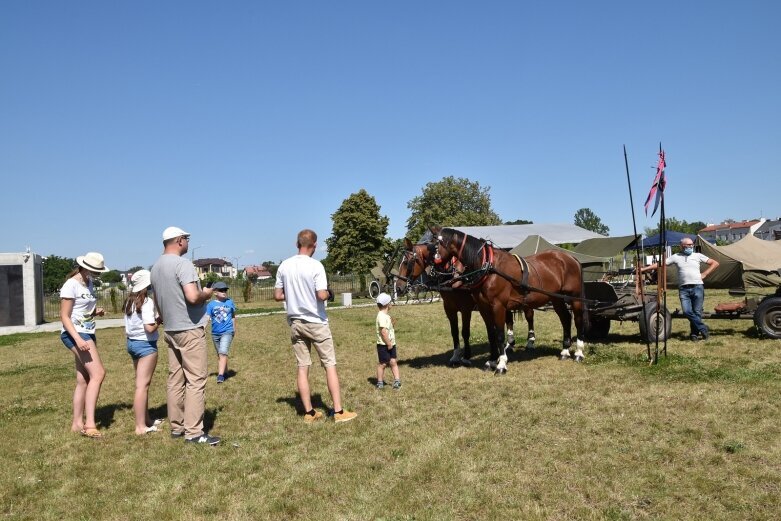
(92, 261)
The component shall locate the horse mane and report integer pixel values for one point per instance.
(471, 253)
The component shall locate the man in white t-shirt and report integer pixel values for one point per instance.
(691, 288)
(301, 283)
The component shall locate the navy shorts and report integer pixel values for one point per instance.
(384, 354)
(67, 339)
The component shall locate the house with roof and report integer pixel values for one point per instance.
(770, 230)
(729, 232)
(221, 267)
(259, 272)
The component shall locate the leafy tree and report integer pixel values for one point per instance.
(675, 225)
(55, 269)
(358, 238)
(111, 277)
(134, 269)
(585, 218)
(211, 277)
(519, 221)
(450, 202)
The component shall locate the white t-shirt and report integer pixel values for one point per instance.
(301, 277)
(134, 324)
(84, 304)
(688, 267)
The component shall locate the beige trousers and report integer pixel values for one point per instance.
(187, 373)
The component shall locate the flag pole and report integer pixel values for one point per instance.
(664, 220)
(639, 276)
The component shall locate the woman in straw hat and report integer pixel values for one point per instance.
(78, 309)
(141, 322)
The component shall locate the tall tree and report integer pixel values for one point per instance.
(585, 218)
(358, 239)
(55, 269)
(450, 202)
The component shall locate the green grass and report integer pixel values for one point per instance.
(694, 437)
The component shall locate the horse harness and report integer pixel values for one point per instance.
(487, 267)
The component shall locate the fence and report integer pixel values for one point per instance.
(259, 292)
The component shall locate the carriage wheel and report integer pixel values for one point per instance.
(657, 323)
(768, 317)
(374, 289)
(598, 328)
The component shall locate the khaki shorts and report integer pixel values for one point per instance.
(304, 335)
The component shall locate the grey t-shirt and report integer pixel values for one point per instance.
(169, 274)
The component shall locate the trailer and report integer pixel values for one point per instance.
(622, 302)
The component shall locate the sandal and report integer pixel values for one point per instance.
(153, 428)
(91, 433)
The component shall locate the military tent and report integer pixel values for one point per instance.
(593, 267)
(606, 246)
(749, 262)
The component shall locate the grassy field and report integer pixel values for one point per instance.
(695, 437)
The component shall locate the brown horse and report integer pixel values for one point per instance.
(500, 282)
(415, 261)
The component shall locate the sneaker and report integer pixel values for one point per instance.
(705, 334)
(203, 438)
(344, 416)
(397, 384)
(309, 418)
(220, 378)
(177, 435)
(695, 338)
(380, 385)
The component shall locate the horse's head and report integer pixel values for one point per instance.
(448, 242)
(415, 259)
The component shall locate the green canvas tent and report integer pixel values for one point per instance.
(593, 267)
(606, 246)
(747, 263)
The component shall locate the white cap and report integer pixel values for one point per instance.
(383, 299)
(140, 280)
(173, 232)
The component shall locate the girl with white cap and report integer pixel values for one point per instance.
(78, 309)
(141, 323)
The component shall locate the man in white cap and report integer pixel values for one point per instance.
(182, 305)
(302, 284)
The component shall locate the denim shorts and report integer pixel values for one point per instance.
(222, 343)
(141, 348)
(67, 339)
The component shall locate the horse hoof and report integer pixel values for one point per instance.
(578, 358)
(500, 372)
(466, 362)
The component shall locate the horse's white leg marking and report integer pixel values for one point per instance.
(579, 350)
(530, 340)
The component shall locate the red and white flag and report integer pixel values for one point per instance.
(657, 189)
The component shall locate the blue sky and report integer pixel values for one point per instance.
(243, 122)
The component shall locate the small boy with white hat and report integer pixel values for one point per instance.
(386, 342)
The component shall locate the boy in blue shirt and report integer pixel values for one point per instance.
(222, 313)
